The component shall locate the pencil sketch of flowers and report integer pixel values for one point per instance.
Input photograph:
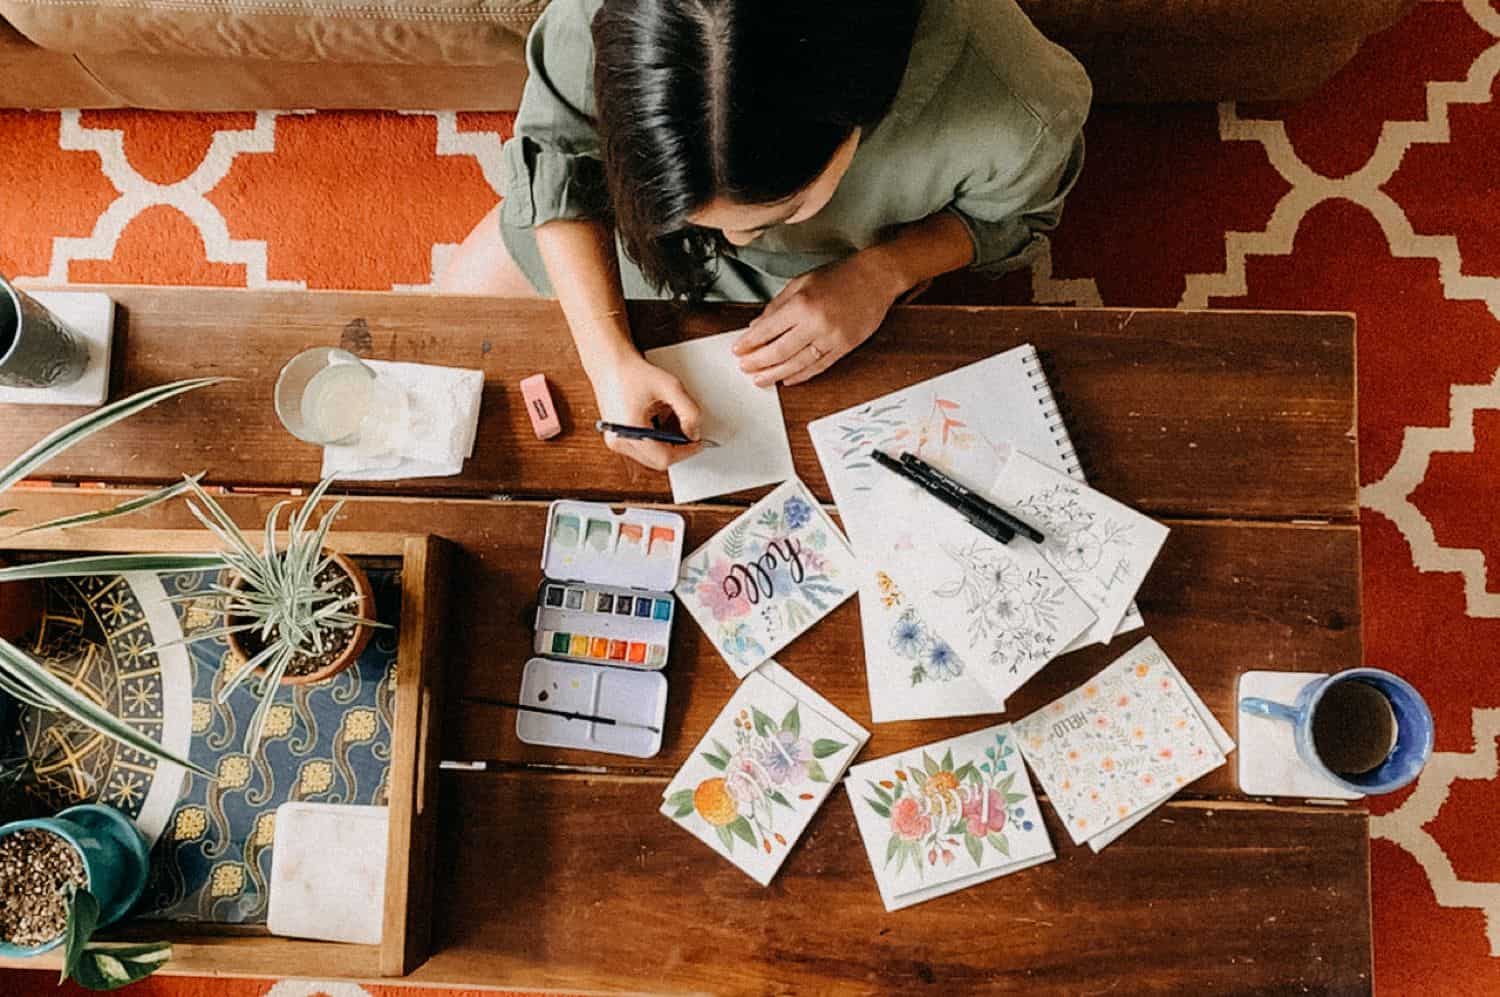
(1077, 537)
(1012, 611)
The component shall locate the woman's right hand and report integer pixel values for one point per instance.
(633, 392)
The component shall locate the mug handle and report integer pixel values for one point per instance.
(1255, 706)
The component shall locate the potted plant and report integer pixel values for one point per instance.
(63, 877)
(295, 612)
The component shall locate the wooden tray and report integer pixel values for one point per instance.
(249, 950)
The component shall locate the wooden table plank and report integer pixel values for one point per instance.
(1222, 599)
(1233, 414)
(596, 891)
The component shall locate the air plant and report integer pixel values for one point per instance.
(21, 675)
(285, 596)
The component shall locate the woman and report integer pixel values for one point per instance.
(824, 156)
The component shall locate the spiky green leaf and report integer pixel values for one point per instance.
(823, 747)
(123, 509)
(111, 564)
(61, 697)
(742, 830)
(792, 722)
(85, 426)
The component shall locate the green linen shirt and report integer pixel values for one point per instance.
(987, 124)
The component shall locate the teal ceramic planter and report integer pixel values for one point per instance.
(114, 859)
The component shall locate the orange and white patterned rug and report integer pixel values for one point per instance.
(1381, 196)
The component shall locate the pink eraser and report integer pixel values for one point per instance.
(539, 406)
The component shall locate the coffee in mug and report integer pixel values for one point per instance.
(1353, 727)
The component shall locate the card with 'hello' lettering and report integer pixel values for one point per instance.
(768, 576)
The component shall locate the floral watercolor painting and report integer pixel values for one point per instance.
(954, 813)
(1125, 740)
(762, 770)
(1102, 548)
(932, 658)
(768, 576)
(768, 761)
(913, 673)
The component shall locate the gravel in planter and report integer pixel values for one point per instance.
(36, 868)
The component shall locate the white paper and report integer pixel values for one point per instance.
(1102, 548)
(767, 577)
(947, 816)
(743, 419)
(764, 768)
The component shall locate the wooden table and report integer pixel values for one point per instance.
(1235, 428)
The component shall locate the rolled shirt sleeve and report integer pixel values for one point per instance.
(1026, 142)
(551, 166)
(1006, 219)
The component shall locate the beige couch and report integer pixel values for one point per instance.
(467, 55)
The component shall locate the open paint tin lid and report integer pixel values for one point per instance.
(627, 547)
(635, 700)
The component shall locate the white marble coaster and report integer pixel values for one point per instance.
(92, 315)
(1269, 765)
(328, 872)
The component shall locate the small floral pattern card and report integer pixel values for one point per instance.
(763, 769)
(913, 673)
(947, 816)
(1102, 548)
(1120, 744)
(768, 576)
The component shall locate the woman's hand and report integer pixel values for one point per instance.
(817, 318)
(633, 392)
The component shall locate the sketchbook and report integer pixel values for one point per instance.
(964, 422)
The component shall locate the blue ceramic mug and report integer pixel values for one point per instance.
(1410, 739)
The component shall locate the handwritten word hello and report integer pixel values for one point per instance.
(756, 579)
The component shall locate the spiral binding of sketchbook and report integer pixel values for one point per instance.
(1067, 454)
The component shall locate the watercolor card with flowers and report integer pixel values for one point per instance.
(1121, 744)
(948, 816)
(763, 769)
(767, 577)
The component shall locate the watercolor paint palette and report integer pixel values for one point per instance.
(636, 700)
(606, 595)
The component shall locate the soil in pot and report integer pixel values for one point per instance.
(36, 867)
(335, 642)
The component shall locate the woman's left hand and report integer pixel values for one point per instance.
(817, 318)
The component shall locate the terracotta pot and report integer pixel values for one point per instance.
(21, 605)
(364, 608)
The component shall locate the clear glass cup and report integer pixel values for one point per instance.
(329, 396)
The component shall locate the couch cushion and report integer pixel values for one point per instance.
(372, 32)
(34, 77)
(1169, 21)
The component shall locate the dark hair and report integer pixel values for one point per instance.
(742, 99)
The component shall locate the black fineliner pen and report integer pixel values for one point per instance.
(990, 529)
(965, 502)
(991, 510)
(671, 436)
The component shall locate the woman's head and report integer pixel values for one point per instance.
(721, 118)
